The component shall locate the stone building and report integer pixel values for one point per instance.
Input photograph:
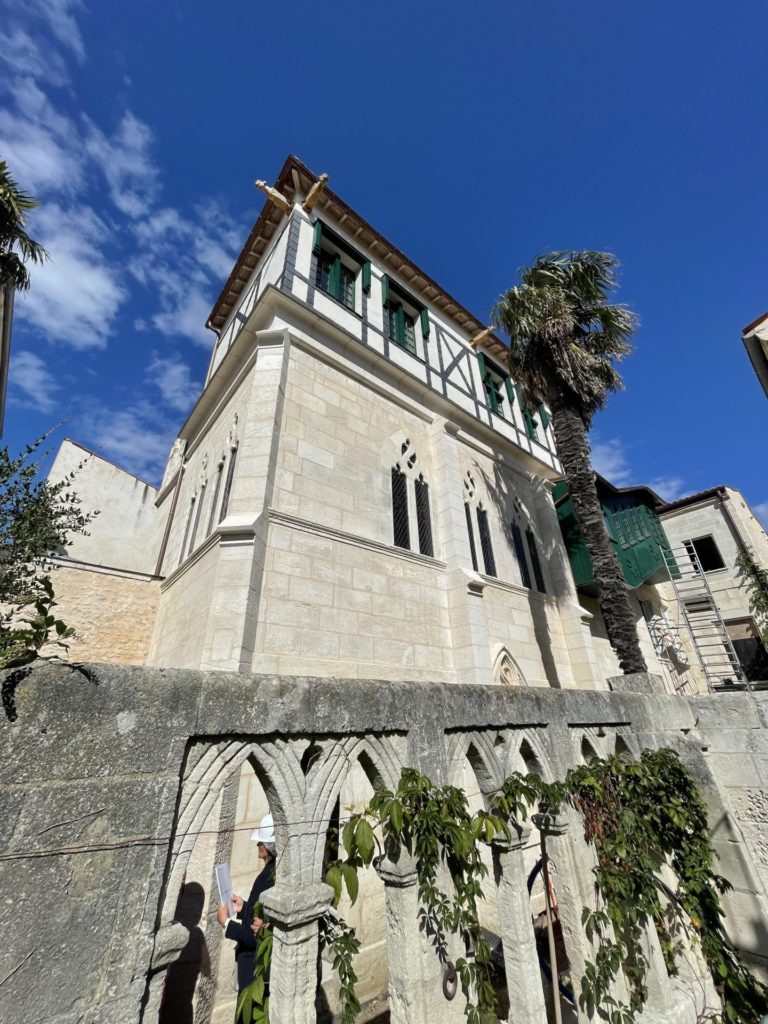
(360, 493)
(359, 490)
(755, 340)
(708, 531)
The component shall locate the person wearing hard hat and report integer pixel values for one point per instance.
(244, 928)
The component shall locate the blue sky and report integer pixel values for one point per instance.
(474, 136)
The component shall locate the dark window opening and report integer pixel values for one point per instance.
(215, 498)
(707, 553)
(402, 534)
(517, 540)
(335, 278)
(187, 528)
(228, 485)
(471, 533)
(423, 519)
(485, 542)
(400, 327)
(197, 520)
(533, 551)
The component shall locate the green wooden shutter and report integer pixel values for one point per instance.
(489, 384)
(510, 388)
(543, 416)
(424, 317)
(385, 290)
(367, 277)
(318, 238)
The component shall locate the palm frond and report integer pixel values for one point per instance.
(563, 332)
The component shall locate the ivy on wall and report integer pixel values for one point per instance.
(647, 823)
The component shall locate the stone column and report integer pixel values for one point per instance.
(415, 971)
(554, 829)
(293, 979)
(521, 962)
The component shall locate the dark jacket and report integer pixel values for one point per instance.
(240, 931)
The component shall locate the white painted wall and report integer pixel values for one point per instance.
(127, 531)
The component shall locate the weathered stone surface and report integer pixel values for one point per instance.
(637, 682)
(105, 787)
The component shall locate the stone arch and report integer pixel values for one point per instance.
(624, 747)
(203, 779)
(529, 754)
(381, 759)
(505, 670)
(588, 751)
(480, 750)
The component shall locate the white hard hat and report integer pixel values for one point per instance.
(265, 833)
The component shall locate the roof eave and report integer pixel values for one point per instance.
(419, 280)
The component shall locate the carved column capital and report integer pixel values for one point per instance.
(399, 873)
(521, 837)
(292, 908)
(549, 824)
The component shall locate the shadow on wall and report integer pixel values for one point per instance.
(504, 499)
(177, 1004)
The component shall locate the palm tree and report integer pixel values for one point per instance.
(564, 335)
(14, 206)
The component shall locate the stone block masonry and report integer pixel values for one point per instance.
(116, 794)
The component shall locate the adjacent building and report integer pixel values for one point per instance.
(755, 338)
(708, 532)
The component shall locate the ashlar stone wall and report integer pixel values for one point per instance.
(119, 792)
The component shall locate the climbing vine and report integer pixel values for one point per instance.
(755, 579)
(648, 826)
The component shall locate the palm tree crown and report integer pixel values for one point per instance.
(14, 206)
(563, 333)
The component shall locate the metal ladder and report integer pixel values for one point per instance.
(710, 638)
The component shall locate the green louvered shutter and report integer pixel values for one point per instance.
(367, 277)
(385, 290)
(334, 279)
(424, 317)
(489, 384)
(543, 417)
(510, 388)
(318, 239)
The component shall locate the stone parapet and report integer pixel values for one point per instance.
(111, 785)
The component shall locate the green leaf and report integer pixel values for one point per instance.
(348, 837)
(365, 841)
(396, 816)
(333, 878)
(351, 880)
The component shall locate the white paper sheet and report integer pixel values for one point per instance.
(224, 882)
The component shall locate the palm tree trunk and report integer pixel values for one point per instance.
(612, 596)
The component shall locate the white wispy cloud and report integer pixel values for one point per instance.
(124, 159)
(32, 382)
(101, 212)
(670, 488)
(609, 459)
(25, 55)
(26, 48)
(761, 511)
(76, 295)
(42, 146)
(172, 377)
(138, 437)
